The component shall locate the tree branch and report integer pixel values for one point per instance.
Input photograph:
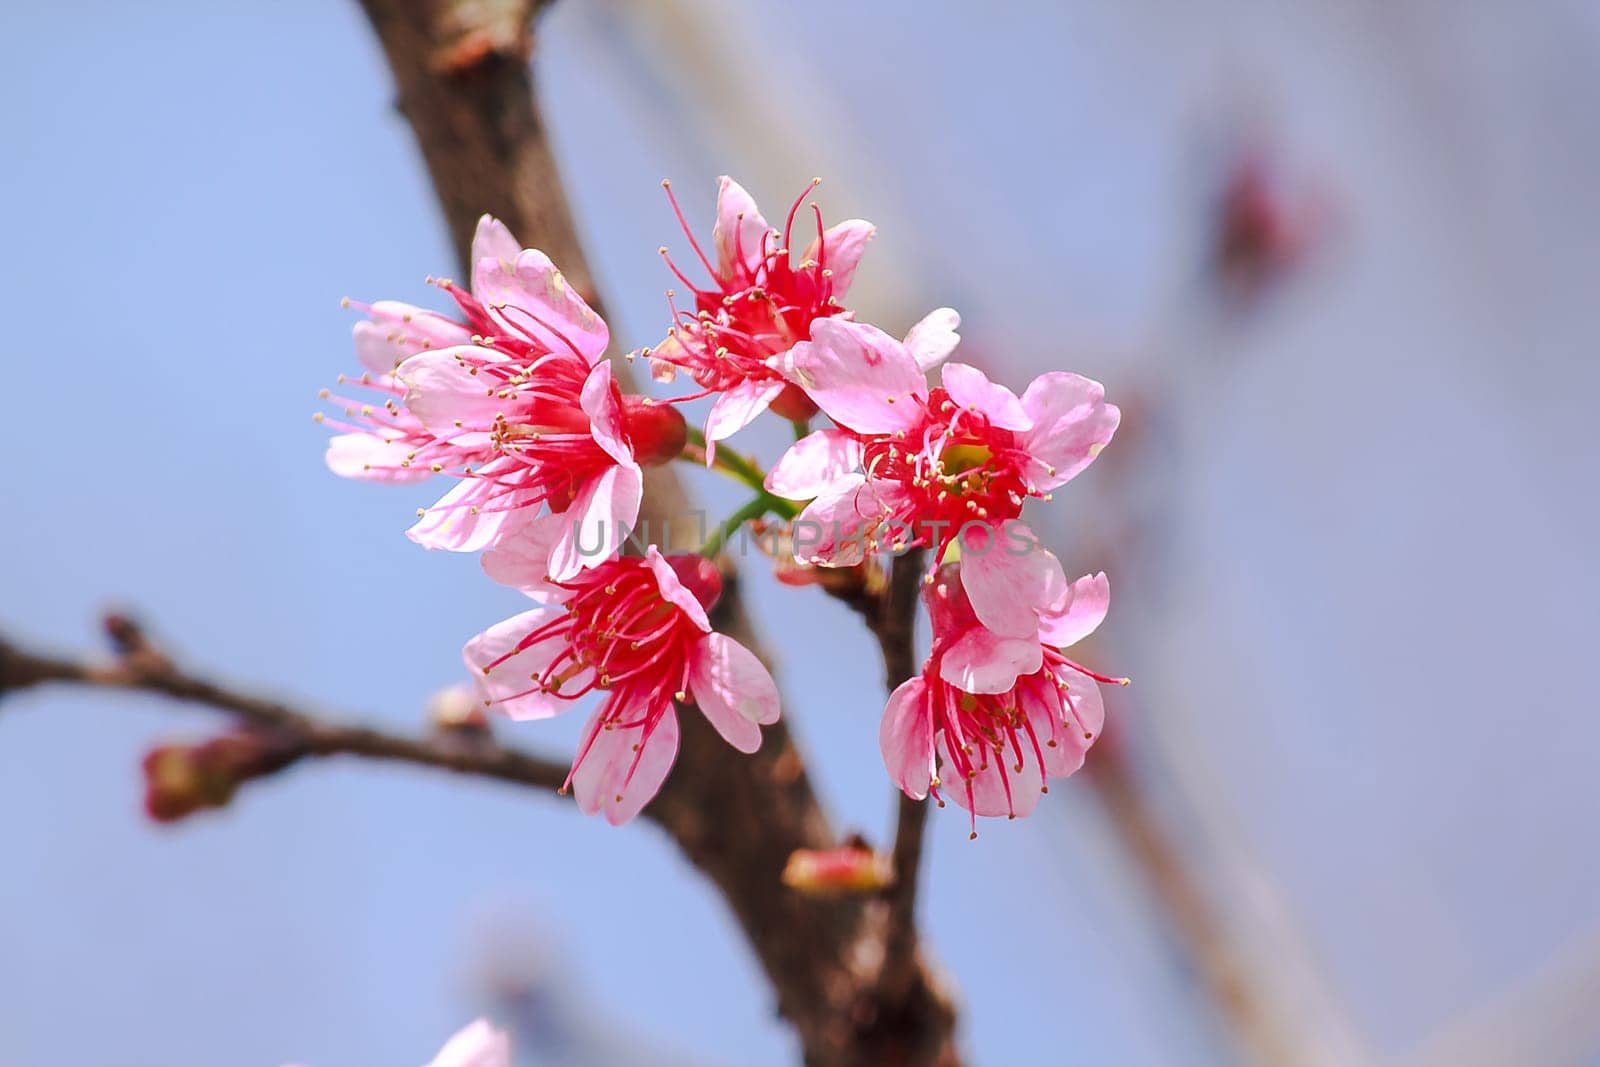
(462, 70)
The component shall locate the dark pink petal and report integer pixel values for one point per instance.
(740, 230)
(1071, 424)
(507, 684)
(842, 245)
(1009, 578)
(733, 689)
(1077, 613)
(615, 778)
(970, 388)
(861, 377)
(983, 662)
(813, 463)
(673, 590)
(931, 341)
(906, 737)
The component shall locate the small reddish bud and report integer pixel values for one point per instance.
(853, 869)
(657, 431)
(700, 576)
(793, 404)
(181, 779)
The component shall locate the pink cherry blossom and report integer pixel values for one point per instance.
(758, 304)
(517, 404)
(993, 716)
(907, 465)
(479, 1044)
(635, 629)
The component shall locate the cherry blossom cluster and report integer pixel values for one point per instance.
(513, 402)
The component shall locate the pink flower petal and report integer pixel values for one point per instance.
(1071, 424)
(931, 341)
(492, 240)
(614, 778)
(861, 377)
(906, 738)
(1007, 783)
(532, 297)
(598, 522)
(833, 529)
(445, 396)
(414, 329)
(970, 388)
(733, 689)
(521, 559)
(740, 232)
(839, 250)
(478, 1045)
(738, 408)
(1077, 613)
(1073, 728)
(506, 686)
(1009, 578)
(469, 518)
(381, 348)
(599, 401)
(813, 463)
(371, 458)
(673, 590)
(983, 662)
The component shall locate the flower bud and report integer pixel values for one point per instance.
(657, 431)
(852, 869)
(181, 779)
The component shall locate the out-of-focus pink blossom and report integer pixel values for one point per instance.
(635, 628)
(479, 1044)
(995, 714)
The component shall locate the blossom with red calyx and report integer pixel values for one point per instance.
(996, 712)
(635, 629)
(907, 465)
(759, 304)
(517, 403)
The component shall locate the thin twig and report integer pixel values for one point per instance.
(138, 669)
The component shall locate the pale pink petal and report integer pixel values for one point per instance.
(600, 402)
(1072, 727)
(733, 690)
(1071, 424)
(673, 590)
(613, 777)
(813, 463)
(533, 298)
(1009, 577)
(984, 662)
(470, 517)
(861, 377)
(382, 347)
(371, 458)
(444, 394)
(738, 408)
(493, 240)
(834, 529)
(521, 559)
(598, 522)
(1077, 613)
(479, 1045)
(509, 686)
(906, 738)
(740, 232)
(970, 388)
(839, 250)
(416, 329)
(1008, 782)
(931, 341)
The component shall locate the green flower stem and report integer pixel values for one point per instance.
(759, 506)
(731, 463)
